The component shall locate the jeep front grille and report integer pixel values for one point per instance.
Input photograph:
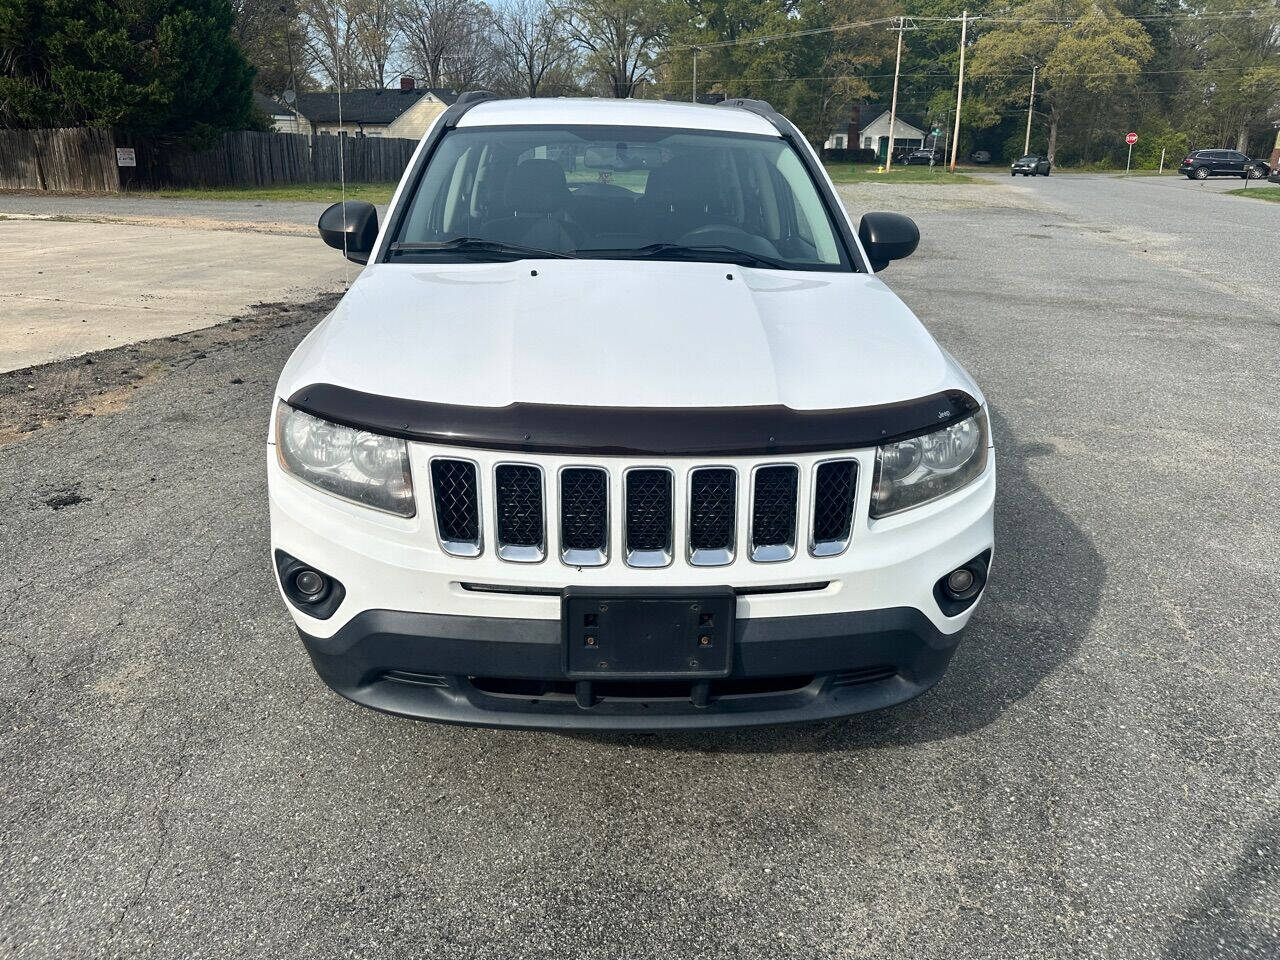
(518, 505)
(702, 515)
(455, 489)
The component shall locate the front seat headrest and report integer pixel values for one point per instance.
(537, 188)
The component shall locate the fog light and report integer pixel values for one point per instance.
(311, 591)
(958, 590)
(311, 584)
(958, 582)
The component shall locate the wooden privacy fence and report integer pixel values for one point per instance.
(66, 159)
(86, 159)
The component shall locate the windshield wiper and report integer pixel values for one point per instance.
(478, 245)
(664, 251)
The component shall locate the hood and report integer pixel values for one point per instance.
(624, 334)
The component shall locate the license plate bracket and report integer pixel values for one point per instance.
(647, 635)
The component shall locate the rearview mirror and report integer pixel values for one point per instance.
(621, 156)
(887, 236)
(356, 232)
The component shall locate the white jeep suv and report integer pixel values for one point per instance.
(619, 428)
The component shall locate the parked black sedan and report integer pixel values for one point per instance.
(1203, 164)
(1032, 165)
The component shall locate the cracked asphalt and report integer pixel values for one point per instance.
(1097, 776)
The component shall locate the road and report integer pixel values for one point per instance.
(281, 217)
(1097, 776)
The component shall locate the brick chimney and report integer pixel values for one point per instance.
(406, 84)
(855, 128)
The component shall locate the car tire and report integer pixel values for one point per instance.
(1200, 173)
(1254, 173)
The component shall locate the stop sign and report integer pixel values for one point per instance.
(1131, 139)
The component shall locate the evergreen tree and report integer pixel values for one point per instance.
(167, 66)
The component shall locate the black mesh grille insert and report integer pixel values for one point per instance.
(457, 502)
(648, 510)
(773, 517)
(833, 491)
(711, 509)
(518, 491)
(584, 512)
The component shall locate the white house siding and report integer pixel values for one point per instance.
(413, 123)
(875, 136)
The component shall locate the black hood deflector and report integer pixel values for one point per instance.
(636, 431)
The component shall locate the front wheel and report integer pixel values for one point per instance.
(1202, 173)
(1255, 173)
(1013, 173)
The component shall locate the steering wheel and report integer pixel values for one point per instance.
(727, 235)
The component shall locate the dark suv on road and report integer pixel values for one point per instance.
(1203, 164)
(1031, 165)
(923, 157)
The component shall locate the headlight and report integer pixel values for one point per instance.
(363, 467)
(921, 469)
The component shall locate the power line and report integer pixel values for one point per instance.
(944, 76)
(1187, 15)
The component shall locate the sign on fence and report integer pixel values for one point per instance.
(126, 157)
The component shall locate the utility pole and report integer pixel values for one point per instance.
(893, 106)
(955, 137)
(1026, 145)
(696, 51)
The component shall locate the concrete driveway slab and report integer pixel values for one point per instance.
(76, 287)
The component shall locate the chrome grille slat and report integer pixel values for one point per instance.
(774, 501)
(584, 516)
(647, 522)
(520, 531)
(455, 488)
(713, 515)
(835, 489)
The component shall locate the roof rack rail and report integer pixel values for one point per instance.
(475, 96)
(762, 107)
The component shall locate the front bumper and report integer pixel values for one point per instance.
(508, 672)
(477, 640)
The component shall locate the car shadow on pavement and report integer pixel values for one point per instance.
(1230, 916)
(1046, 586)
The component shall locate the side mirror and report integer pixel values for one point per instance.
(887, 236)
(359, 228)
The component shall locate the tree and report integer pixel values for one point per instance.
(449, 42)
(531, 44)
(1230, 90)
(377, 32)
(617, 38)
(329, 35)
(270, 35)
(812, 77)
(166, 65)
(1086, 52)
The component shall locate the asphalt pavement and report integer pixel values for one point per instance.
(1097, 776)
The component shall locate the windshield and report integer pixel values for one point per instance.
(500, 193)
(1028, 159)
